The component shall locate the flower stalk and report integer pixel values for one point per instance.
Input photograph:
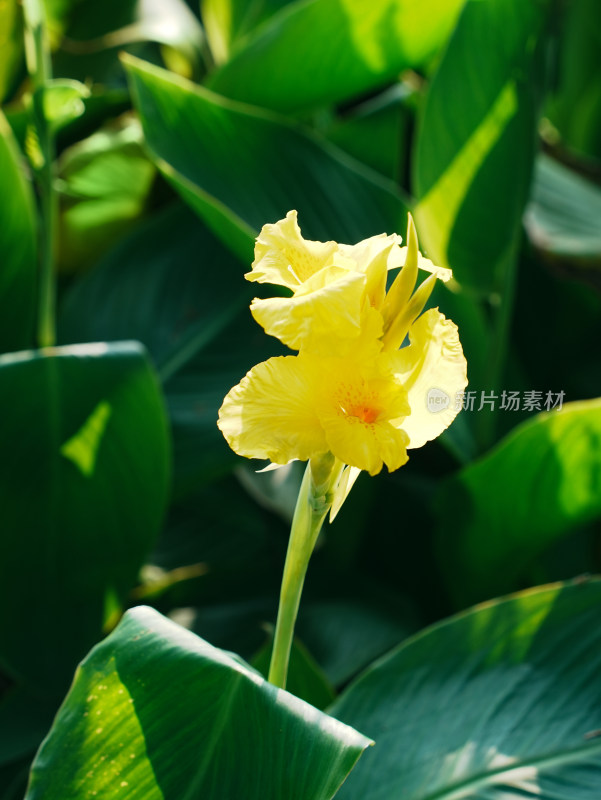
(314, 501)
(40, 70)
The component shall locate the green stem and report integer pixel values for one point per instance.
(40, 69)
(312, 506)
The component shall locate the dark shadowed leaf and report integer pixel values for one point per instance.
(500, 703)
(82, 495)
(195, 137)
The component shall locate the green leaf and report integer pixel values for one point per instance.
(18, 231)
(475, 147)
(226, 21)
(173, 286)
(492, 525)
(82, 495)
(170, 284)
(563, 218)
(104, 185)
(377, 132)
(575, 108)
(345, 635)
(312, 53)
(499, 703)
(240, 167)
(11, 45)
(156, 713)
(196, 393)
(63, 101)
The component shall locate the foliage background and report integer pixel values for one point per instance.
(189, 129)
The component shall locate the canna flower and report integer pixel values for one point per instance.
(338, 290)
(358, 388)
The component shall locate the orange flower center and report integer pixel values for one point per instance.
(364, 413)
(358, 402)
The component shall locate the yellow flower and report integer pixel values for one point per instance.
(353, 390)
(295, 407)
(338, 303)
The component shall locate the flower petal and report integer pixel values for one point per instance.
(283, 257)
(366, 446)
(398, 257)
(328, 315)
(359, 398)
(271, 412)
(433, 370)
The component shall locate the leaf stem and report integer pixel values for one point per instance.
(40, 69)
(313, 503)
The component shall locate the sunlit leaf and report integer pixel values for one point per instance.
(104, 185)
(313, 53)
(156, 713)
(502, 511)
(475, 147)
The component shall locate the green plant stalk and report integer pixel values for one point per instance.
(313, 503)
(40, 70)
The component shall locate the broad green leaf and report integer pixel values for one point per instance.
(155, 713)
(83, 489)
(195, 394)
(475, 146)
(563, 218)
(173, 286)
(11, 45)
(345, 634)
(104, 185)
(575, 108)
(500, 703)
(18, 231)
(170, 284)
(226, 21)
(376, 132)
(241, 167)
(502, 511)
(325, 51)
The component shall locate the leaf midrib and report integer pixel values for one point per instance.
(484, 778)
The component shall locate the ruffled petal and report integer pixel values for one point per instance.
(271, 413)
(283, 257)
(366, 446)
(329, 315)
(433, 370)
(358, 401)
